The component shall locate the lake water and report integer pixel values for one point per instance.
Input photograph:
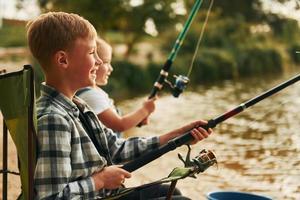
(258, 151)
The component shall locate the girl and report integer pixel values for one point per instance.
(103, 106)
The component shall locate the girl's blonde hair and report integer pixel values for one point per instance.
(102, 45)
(54, 31)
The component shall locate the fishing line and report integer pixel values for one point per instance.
(200, 38)
(182, 80)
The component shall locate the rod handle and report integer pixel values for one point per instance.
(148, 157)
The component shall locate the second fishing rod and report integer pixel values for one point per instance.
(187, 137)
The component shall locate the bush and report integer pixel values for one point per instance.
(12, 36)
(213, 65)
(258, 61)
(127, 78)
(292, 52)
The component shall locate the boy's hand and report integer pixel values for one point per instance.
(192, 125)
(198, 133)
(110, 177)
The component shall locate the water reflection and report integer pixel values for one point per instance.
(258, 150)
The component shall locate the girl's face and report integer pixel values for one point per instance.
(105, 68)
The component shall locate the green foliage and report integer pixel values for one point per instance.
(119, 15)
(226, 33)
(127, 78)
(152, 70)
(292, 52)
(38, 76)
(100, 13)
(284, 29)
(258, 61)
(230, 49)
(214, 65)
(12, 36)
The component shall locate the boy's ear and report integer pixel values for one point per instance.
(61, 59)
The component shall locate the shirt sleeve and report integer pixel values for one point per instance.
(124, 150)
(53, 169)
(97, 99)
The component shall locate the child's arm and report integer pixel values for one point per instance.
(135, 147)
(121, 123)
(198, 133)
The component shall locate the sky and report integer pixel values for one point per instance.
(8, 9)
(287, 9)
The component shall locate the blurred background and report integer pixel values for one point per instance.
(247, 48)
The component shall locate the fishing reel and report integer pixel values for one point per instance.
(179, 85)
(200, 163)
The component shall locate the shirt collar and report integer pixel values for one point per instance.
(61, 99)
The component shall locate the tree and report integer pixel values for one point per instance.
(119, 15)
(250, 10)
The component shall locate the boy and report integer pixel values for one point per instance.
(100, 102)
(75, 151)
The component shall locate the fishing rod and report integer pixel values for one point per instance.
(181, 81)
(187, 137)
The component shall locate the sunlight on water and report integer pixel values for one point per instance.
(258, 150)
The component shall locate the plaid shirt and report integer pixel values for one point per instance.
(66, 155)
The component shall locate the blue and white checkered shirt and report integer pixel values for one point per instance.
(66, 155)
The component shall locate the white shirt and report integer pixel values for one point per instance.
(96, 98)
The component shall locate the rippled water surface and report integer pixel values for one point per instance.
(258, 150)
